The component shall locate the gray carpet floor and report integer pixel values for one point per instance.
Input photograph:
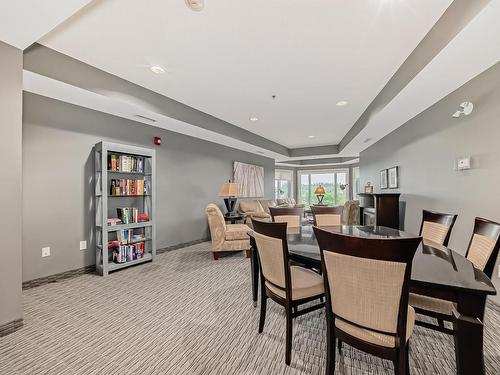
(188, 314)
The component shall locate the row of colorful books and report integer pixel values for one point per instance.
(125, 163)
(120, 187)
(127, 253)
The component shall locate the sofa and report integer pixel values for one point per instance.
(226, 237)
(259, 208)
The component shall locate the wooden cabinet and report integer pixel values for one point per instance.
(379, 209)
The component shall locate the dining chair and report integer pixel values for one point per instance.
(366, 287)
(290, 215)
(325, 216)
(289, 286)
(482, 251)
(437, 226)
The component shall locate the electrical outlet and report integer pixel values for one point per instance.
(45, 252)
(83, 245)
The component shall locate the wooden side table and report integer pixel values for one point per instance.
(233, 218)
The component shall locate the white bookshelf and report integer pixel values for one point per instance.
(106, 205)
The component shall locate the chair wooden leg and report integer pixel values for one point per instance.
(339, 343)
(401, 365)
(248, 253)
(263, 307)
(408, 359)
(289, 335)
(216, 254)
(330, 347)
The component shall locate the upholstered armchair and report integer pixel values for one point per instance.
(226, 237)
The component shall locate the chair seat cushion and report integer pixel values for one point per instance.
(436, 305)
(305, 283)
(237, 232)
(376, 337)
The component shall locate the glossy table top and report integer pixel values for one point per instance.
(433, 264)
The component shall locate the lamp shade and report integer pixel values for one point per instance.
(229, 189)
(320, 190)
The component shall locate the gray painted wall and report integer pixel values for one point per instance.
(11, 64)
(426, 147)
(57, 151)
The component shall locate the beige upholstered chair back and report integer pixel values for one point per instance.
(434, 232)
(480, 250)
(437, 227)
(291, 220)
(328, 219)
(351, 213)
(217, 226)
(365, 291)
(271, 258)
(291, 216)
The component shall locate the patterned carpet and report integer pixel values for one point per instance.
(188, 314)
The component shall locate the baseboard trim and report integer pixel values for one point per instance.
(181, 245)
(91, 269)
(58, 277)
(8, 328)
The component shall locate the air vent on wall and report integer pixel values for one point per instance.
(145, 118)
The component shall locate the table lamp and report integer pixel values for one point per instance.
(320, 194)
(230, 190)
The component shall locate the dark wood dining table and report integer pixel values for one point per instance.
(437, 271)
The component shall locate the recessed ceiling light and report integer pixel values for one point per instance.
(157, 69)
(311, 136)
(341, 103)
(253, 119)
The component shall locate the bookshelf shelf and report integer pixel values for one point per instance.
(114, 228)
(124, 171)
(117, 266)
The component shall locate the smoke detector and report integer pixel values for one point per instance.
(196, 5)
(465, 109)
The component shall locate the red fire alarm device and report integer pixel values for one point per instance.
(157, 141)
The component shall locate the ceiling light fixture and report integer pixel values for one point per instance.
(157, 69)
(311, 136)
(341, 103)
(196, 5)
(254, 119)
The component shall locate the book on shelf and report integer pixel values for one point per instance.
(128, 215)
(127, 253)
(126, 187)
(125, 163)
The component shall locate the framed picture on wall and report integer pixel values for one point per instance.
(393, 178)
(383, 179)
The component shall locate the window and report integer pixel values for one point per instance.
(356, 183)
(335, 183)
(283, 184)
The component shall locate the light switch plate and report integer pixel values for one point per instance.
(83, 245)
(45, 252)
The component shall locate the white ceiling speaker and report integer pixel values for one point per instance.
(196, 5)
(465, 109)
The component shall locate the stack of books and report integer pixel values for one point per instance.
(125, 163)
(127, 253)
(120, 187)
(128, 215)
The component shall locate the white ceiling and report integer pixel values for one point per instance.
(23, 22)
(231, 58)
